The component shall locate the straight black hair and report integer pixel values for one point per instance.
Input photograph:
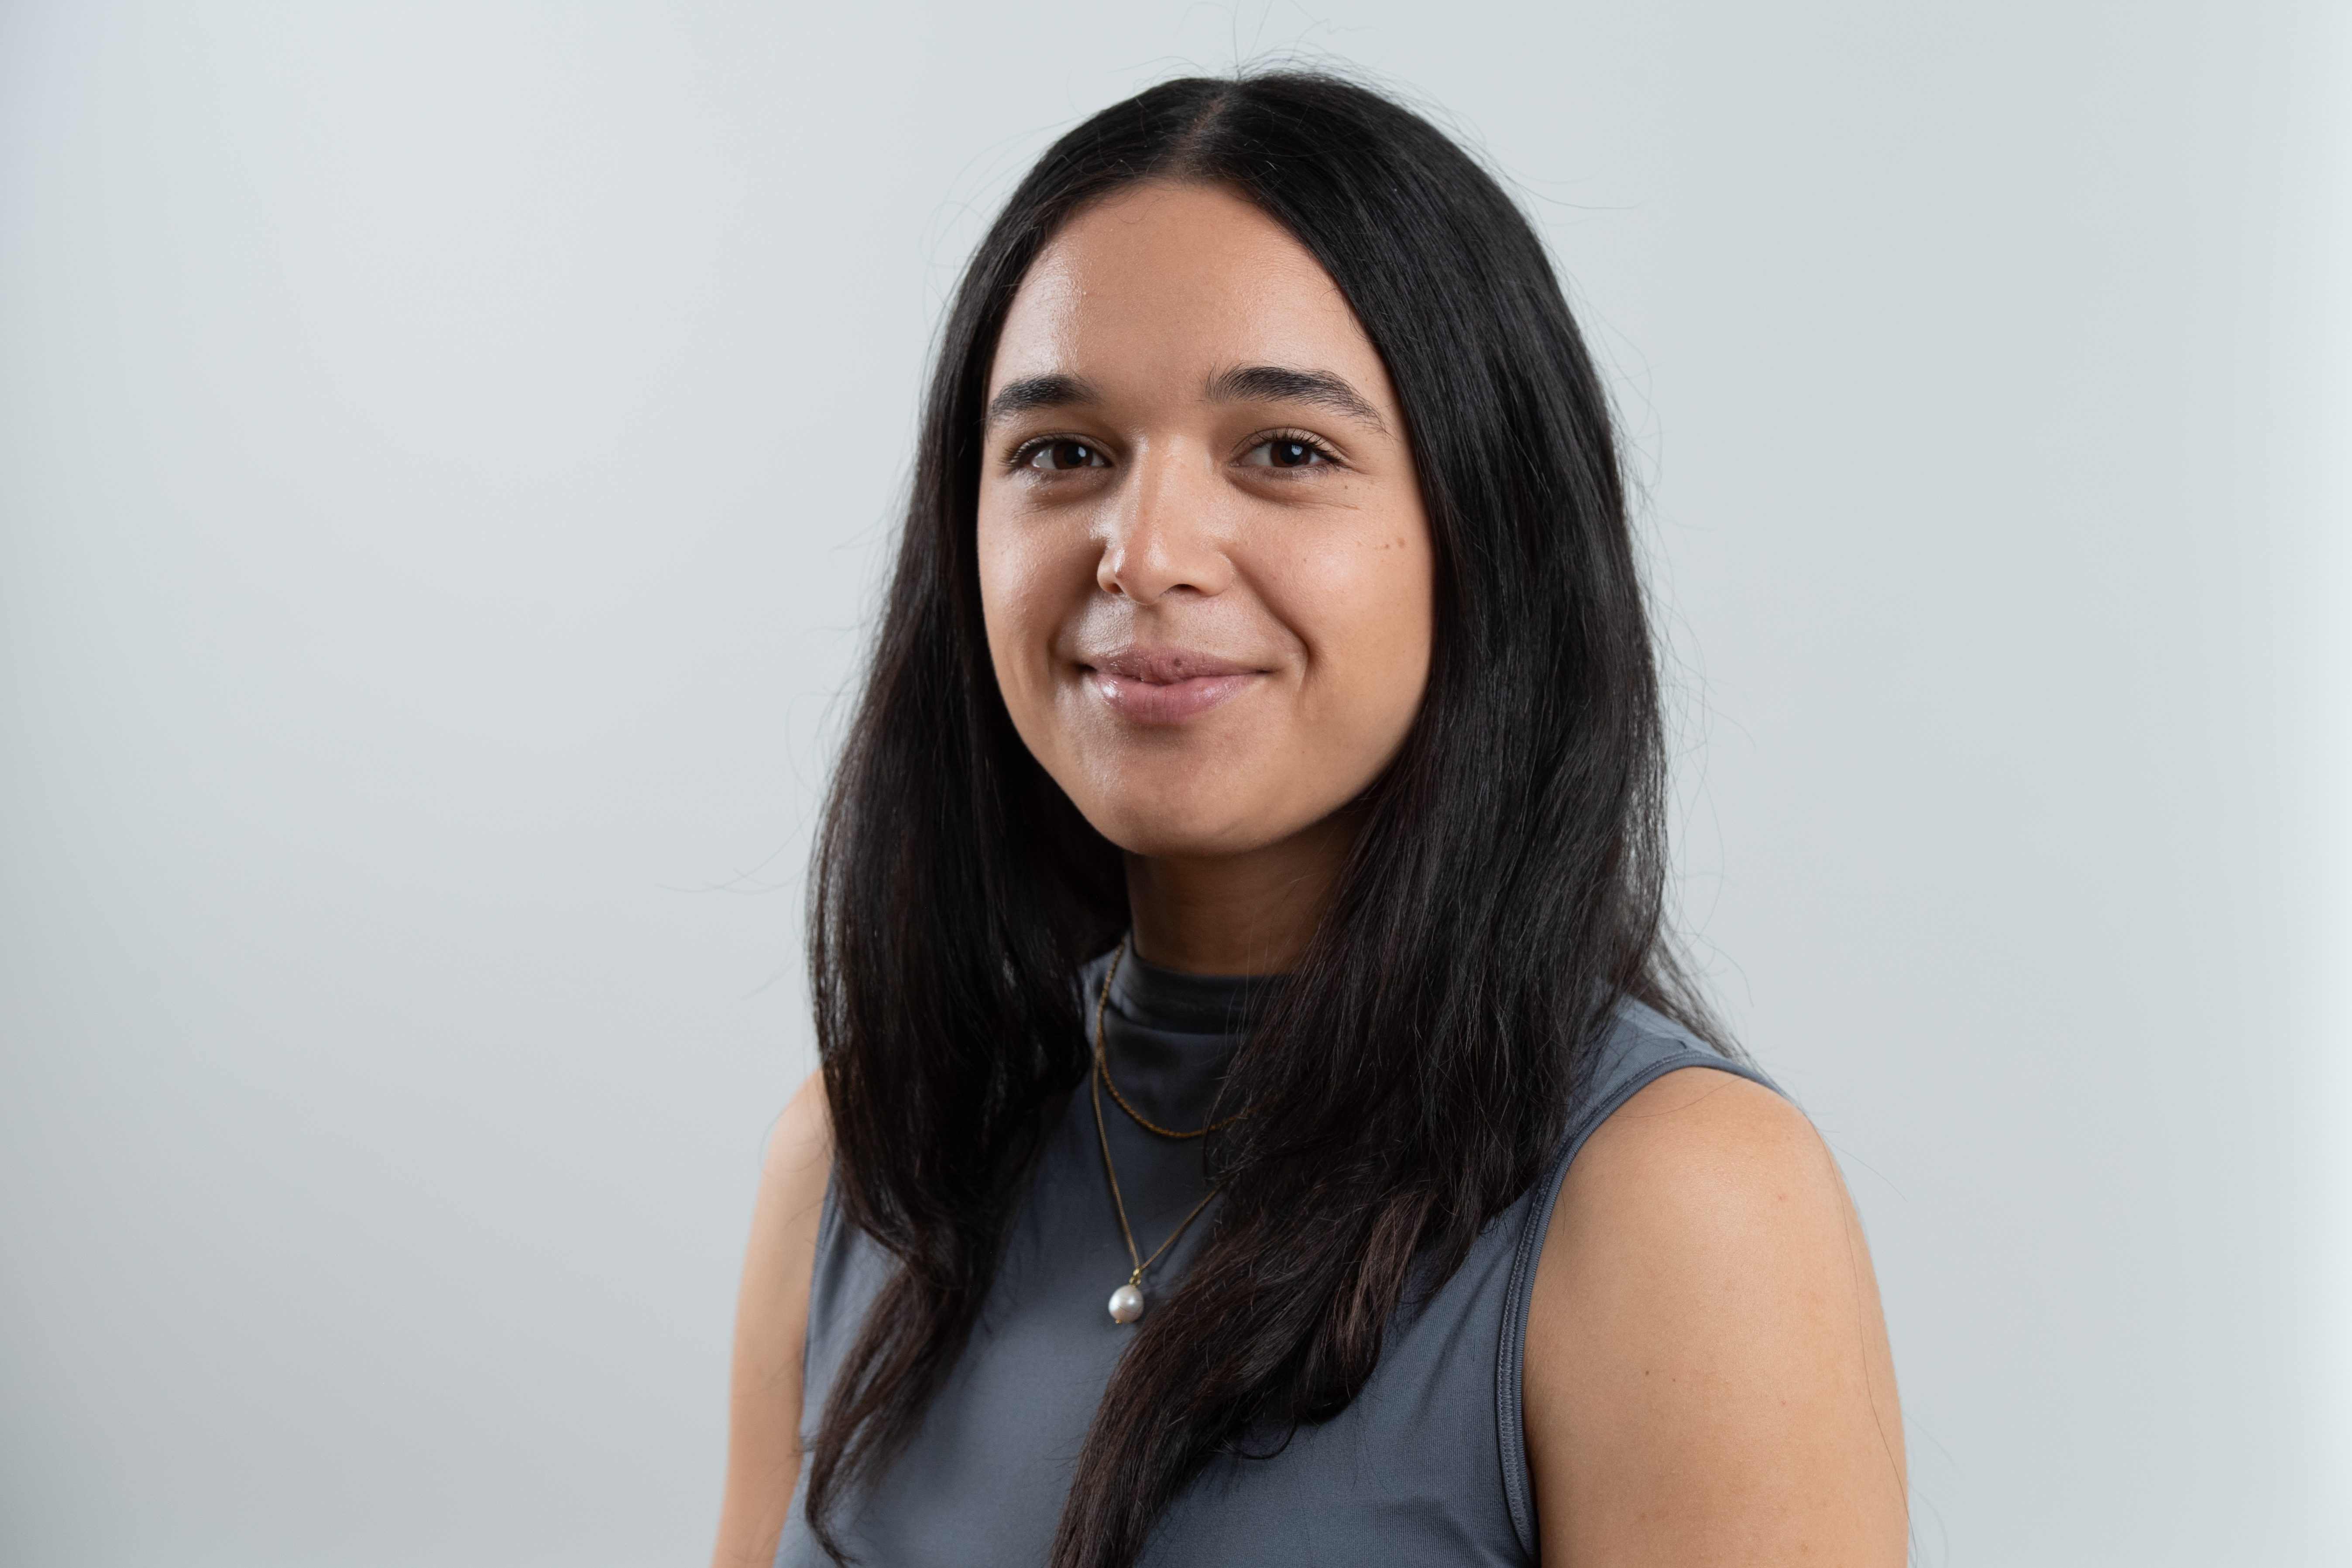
(1502, 896)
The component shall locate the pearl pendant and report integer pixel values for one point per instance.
(1126, 1304)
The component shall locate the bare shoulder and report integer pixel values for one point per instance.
(795, 1171)
(763, 1451)
(1695, 1139)
(1708, 1375)
(800, 1148)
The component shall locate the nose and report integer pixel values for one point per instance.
(1161, 536)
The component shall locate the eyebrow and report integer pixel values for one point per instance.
(1245, 383)
(1279, 383)
(1028, 395)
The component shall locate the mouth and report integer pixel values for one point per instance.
(1166, 685)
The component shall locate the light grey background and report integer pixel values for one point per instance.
(446, 451)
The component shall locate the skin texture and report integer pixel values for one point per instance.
(1707, 1376)
(1214, 646)
(1186, 532)
(763, 1406)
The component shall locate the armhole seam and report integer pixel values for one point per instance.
(1510, 1364)
(828, 1222)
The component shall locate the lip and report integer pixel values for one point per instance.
(1166, 685)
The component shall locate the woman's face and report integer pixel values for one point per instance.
(1203, 558)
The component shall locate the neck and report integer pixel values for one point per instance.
(1251, 913)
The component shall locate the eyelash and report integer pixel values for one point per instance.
(1026, 453)
(1323, 454)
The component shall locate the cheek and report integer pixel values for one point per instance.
(1005, 576)
(1025, 573)
(1367, 613)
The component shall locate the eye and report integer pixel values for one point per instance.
(1285, 452)
(1059, 453)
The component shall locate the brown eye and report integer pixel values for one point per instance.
(1284, 452)
(1054, 454)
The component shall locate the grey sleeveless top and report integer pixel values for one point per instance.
(1427, 1465)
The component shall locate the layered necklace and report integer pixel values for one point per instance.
(1127, 1301)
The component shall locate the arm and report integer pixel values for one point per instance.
(763, 1439)
(1707, 1377)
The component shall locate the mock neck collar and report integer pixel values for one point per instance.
(1168, 1001)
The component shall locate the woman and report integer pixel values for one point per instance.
(1259, 1122)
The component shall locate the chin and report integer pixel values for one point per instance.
(1191, 828)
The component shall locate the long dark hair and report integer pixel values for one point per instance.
(1501, 899)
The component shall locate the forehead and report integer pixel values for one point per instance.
(1178, 281)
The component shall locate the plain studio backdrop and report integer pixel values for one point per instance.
(446, 455)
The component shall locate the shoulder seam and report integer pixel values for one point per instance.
(1510, 1358)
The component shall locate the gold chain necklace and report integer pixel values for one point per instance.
(1102, 1064)
(1127, 1301)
